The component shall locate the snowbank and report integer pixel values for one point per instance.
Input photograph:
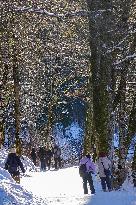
(12, 193)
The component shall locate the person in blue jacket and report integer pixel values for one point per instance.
(12, 165)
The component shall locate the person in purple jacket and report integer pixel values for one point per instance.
(87, 177)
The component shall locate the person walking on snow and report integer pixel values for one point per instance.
(33, 156)
(104, 167)
(48, 157)
(42, 157)
(87, 177)
(57, 156)
(13, 163)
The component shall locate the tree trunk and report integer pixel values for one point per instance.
(125, 134)
(5, 71)
(134, 167)
(16, 101)
(101, 72)
(89, 140)
(120, 100)
(14, 60)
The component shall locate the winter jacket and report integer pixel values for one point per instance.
(57, 152)
(13, 163)
(33, 154)
(42, 153)
(103, 162)
(48, 153)
(89, 164)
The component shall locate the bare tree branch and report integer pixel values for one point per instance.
(43, 11)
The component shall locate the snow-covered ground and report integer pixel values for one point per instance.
(61, 187)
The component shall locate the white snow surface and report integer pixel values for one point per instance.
(57, 187)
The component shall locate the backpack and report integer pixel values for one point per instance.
(82, 170)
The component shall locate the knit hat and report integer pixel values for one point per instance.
(102, 154)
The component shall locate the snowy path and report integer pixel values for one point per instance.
(65, 187)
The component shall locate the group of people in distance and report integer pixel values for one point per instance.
(45, 156)
(13, 163)
(103, 164)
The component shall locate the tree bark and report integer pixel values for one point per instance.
(101, 72)
(89, 139)
(16, 101)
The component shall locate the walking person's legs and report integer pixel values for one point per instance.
(90, 180)
(16, 178)
(108, 182)
(59, 162)
(55, 160)
(43, 165)
(85, 185)
(49, 163)
(34, 161)
(103, 183)
(134, 182)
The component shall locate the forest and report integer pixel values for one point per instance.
(65, 61)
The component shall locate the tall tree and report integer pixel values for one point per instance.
(100, 35)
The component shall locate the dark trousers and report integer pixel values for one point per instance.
(134, 182)
(106, 181)
(16, 178)
(43, 164)
(34, 161)
(57, 162)
(48, 162)
(88, 178)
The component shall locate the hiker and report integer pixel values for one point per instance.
(42, 157)
(57, 156)
(48, 157)
(87, 175)
(104, 169)
(33, 156)
(13, 163)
